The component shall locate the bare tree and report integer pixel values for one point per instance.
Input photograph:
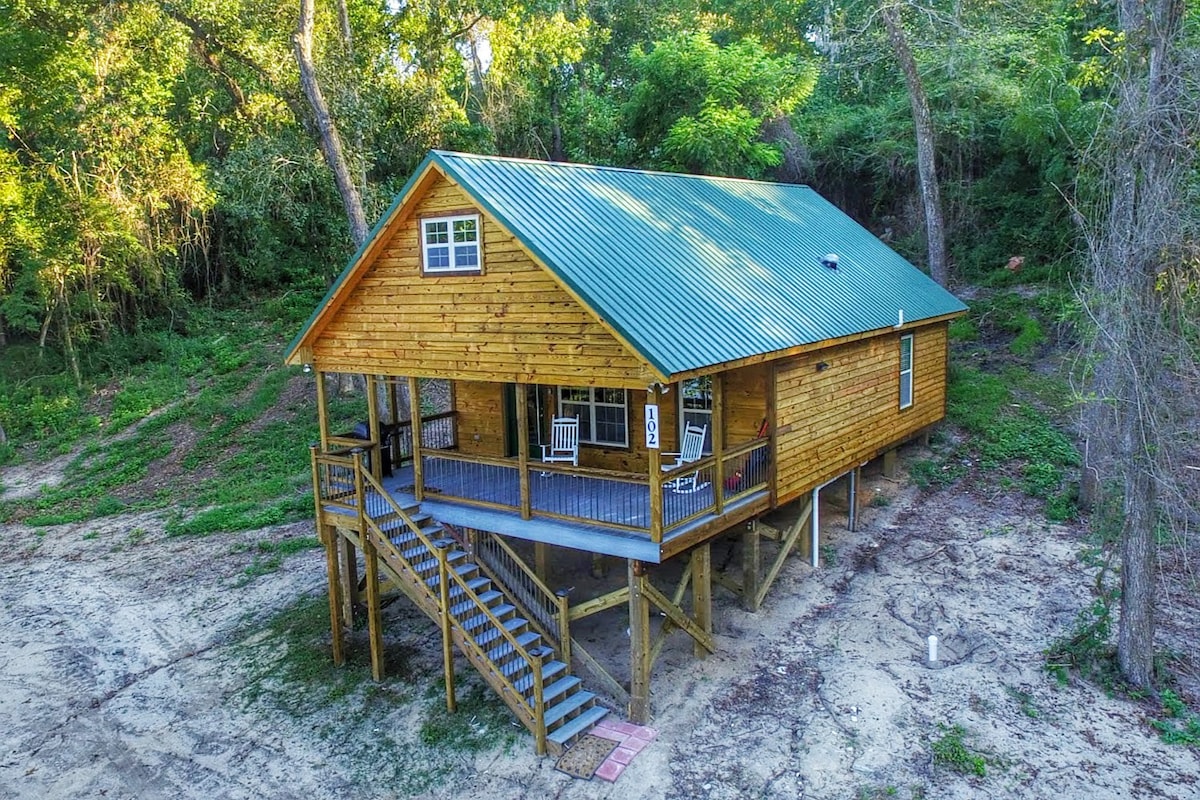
(931, 198)
(331, 143)
(1136, 245)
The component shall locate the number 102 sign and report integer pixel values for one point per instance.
(652, 429)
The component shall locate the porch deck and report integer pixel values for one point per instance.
(625, 504)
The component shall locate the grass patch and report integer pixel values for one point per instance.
(397, 735)
(197, 410)
(269, 555)
(244, 515)
(1178, 724)
(1014, 443)
(950, 750)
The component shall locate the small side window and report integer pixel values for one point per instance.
(906, 371)
(451, 244)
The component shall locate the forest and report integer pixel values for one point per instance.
(168, 167)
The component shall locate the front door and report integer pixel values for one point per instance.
(535, 408)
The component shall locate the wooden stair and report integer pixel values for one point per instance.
(506, 650)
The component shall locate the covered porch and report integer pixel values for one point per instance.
(647, 514)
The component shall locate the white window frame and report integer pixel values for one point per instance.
(685, 412)
(451, 245)
(588, 407)
(906, 373)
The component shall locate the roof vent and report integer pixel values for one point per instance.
(830, 260)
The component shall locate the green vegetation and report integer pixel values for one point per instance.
(1087, 649)
(951, 750)
(402, 737)
(1179, 724)
(268, 555)
(197, 420)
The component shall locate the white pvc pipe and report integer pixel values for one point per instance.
(932, 649)
(816, 526)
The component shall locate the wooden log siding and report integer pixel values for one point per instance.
(834, 419)
(480, 409)
(511, 324)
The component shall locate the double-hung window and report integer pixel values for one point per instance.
(906, 371)
(603, 413)
(451, 244)
(696, 407)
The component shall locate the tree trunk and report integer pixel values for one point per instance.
(1145, 166)
(931, 199)
(331, 143)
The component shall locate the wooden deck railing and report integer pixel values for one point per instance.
(602, 498)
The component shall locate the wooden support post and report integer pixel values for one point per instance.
(329, 537)
(891, 464)
(322, 411)
(443, 556)
(393, 418)
(562, 596)
(751, 564)
(786, 542)
(656, 487)
(639, 645)
(702, 593)
(804, 543)
(599, 567)
(852, 500)
(718, 440)
(374, 625)
(374, 615)
(349, 564)
(523, 451)
(541, 561)
(414, 414)
(373, 428)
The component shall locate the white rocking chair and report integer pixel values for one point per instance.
(692, 450)
(564, 442)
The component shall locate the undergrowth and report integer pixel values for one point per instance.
(192, 421)
(951, 750)
(397, 733)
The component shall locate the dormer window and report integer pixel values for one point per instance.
(451, 244)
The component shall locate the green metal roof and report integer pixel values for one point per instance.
(695, 271)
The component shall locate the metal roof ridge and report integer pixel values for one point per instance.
(609, 168)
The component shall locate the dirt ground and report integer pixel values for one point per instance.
(122, 663)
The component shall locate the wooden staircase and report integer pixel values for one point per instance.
(476, 614)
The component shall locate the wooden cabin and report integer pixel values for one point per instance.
(794, 343)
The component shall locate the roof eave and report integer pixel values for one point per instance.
(317, 320)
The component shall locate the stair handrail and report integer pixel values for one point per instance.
(532, 656)
(551, 616)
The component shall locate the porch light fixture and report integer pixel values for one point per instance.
(830, 260)
(822, 366)
(307, 368)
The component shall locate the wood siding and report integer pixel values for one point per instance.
(831, 420)
(481, 421)
(745, 402)
(512, 323)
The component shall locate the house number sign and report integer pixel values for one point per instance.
(651, 426)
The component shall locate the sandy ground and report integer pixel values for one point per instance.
(123, 670)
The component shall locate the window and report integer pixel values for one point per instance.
(451, 244)
(603, 413)
(695, 407)
(906, 371)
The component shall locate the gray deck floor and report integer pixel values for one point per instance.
(583, 496)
